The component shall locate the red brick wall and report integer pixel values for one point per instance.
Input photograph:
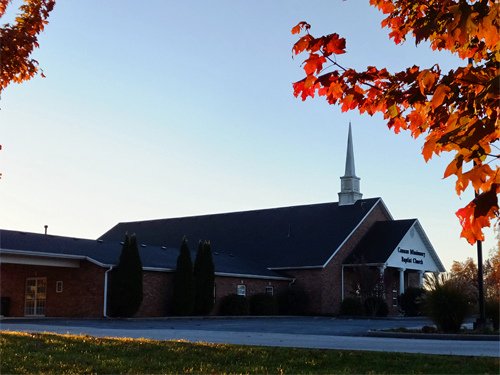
(83, 289)
(157, 294)
(82, 294)
(324, 286)
(228, 285)
(310, 280)
(332, 274)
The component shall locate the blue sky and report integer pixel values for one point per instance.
(182, 108)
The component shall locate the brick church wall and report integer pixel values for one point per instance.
(324, 286)
(157, 294)
(332, 274)
(82, 294)
(226, 285)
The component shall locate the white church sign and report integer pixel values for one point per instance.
(414, 252)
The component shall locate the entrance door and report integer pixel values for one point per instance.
(36, 292)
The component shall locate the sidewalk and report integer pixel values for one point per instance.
(426, 346)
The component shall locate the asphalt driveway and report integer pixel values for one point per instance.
(288, 325)
(305, 332)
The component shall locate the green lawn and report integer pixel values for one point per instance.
(22, 353)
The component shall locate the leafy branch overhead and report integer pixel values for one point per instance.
(17, 41)
(456, 112)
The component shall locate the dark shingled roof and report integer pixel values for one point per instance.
(298, 236)
(378, 244)
(107, 252)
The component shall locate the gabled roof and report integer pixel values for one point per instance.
(287, 237)
(380, 241)
(106, 253)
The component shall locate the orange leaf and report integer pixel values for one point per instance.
(439, 95)
(426, 80)
(428, 149)
(453, 167)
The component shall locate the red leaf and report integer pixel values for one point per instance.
(314, 64)
(301, 25)
(334, 44)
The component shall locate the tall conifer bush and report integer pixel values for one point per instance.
(125, 289)
(204, 279)
(183, 282)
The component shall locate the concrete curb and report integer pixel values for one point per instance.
(433, 336)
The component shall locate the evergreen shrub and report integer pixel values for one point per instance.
(263, 304)
(410, 301)
(125, 282)
(351, 306)
(233, 304)
(183, 300)
(293, 301)
(376, 306)
(204, 279)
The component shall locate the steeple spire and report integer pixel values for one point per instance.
(349, 160)
(349, 183)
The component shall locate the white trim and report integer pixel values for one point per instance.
(105, 302)
(225, 274)
(41, 254)
(156, 269)
(342, 283)
(365, 264)
(294, 268)
(38, 261)
(355, 229)
(241, 290)
(386, 209)
(433, 252)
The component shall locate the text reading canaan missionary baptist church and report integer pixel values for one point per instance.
(410, 259)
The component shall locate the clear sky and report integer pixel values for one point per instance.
(166, 108)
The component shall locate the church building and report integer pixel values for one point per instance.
(320, 249)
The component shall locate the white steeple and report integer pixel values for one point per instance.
(349, 183)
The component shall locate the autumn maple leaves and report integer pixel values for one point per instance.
(457, 112)
(17, 41)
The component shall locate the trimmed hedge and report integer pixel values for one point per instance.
(410, 301)
(351, 306)
(293, 301)
(234, 304)
(376, 306)
(263, 304)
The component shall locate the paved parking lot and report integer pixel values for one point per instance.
(287, 325)
(306, 332)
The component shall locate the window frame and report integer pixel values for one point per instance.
(241, 290)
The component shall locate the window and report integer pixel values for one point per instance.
(269, 290)
(34, 302)
(241, 290)
(394, 297)
(59, 286)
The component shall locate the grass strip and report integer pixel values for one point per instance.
(31, 353)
